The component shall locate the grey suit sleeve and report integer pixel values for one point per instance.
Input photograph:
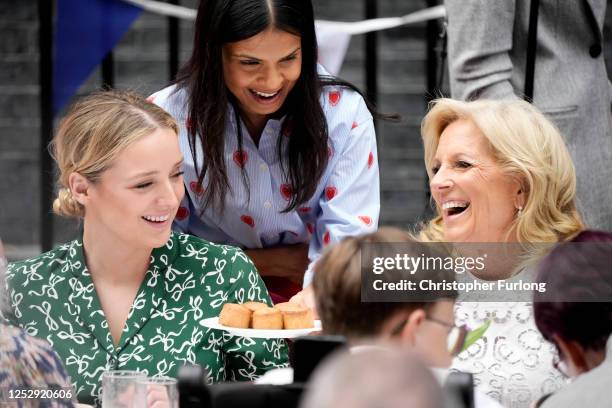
(479, 42)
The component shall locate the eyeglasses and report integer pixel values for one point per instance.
(456, 335)
(454, 340)
(560, 365)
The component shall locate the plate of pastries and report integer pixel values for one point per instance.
(256, 319)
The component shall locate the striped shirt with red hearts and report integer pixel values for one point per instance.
(346, 201)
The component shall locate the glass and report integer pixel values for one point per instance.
(158, 392)
(560, 365)
(119, 388)
(454, 340)
(517, 393)
(456, 335)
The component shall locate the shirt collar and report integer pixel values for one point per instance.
(148, 300)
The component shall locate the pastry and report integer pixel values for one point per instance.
(288, 306)
(258, 315)
(234, 315)
(253, 306)
(267, 318)
(295, 316)
(297, 319)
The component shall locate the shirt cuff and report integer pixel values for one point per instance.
(308, 275)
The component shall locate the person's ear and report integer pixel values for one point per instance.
(573, 354)
(79, 187)
(415, 320)
(520, 197)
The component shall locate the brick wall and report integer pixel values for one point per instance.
(19, 122)
(140, 64)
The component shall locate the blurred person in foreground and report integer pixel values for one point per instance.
(427, 328)
(27, 363)
(487, 47)
(129, 293)
(373, 378)
(499, 172)
(30, 364)
(423, 326)
(575, 314)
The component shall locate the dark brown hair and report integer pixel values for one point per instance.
(577, 304)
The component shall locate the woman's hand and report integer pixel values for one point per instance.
(286, 261)
(157, 397)
(306, 298)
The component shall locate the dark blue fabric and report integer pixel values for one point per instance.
(86, 31)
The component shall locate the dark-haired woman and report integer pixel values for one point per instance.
(280, 158)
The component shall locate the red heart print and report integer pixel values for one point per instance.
(370, 160)
(310, 227)
(334, 97)
(304, 210)
(182, 213)
(365, 219)
(196, 188)
(326, 238)
(286, 191)
(248, 220)
(240, 158)
(330, 192)
(354, 125)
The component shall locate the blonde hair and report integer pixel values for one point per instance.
(528, 147)
(94, 132)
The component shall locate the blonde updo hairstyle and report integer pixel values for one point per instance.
(528, 147)
(94, 132)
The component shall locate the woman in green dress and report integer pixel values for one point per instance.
(130, 293)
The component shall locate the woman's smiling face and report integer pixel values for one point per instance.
(261, 71)
(136, 199)
(477, 200)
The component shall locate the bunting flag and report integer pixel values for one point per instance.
(333, 36)
(86, 31)
(333, 45)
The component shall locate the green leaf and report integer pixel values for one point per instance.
(474, 335)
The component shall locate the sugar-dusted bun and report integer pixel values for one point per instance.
(253, 306)
(234, 315)
(267, 318)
